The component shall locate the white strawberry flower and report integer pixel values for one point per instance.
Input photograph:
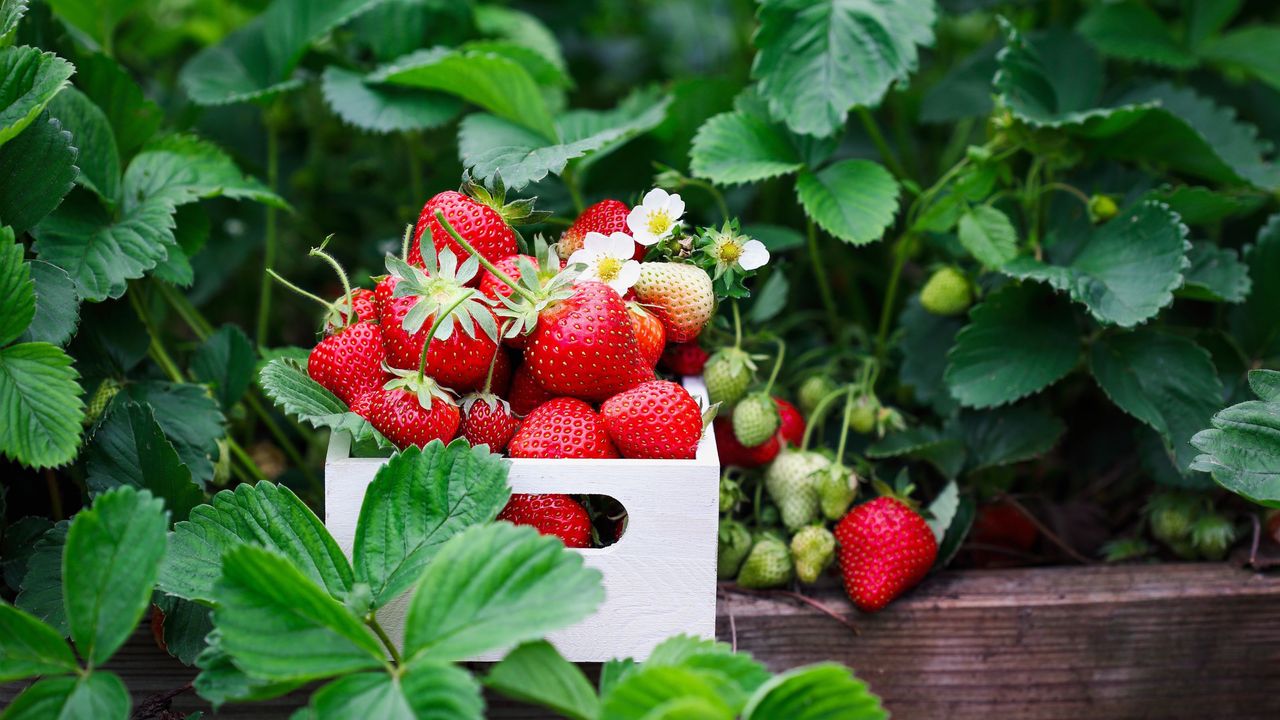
(656, 218)
(607, 259)
(731, 249)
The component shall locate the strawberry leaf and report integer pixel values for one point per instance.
(1130, 31)
(17, 291)
(289, 386)
(424, 689)
(189, 418)
(825, 691)
(181, 169)
(988, 235)
(40, 405)
(28, 647)
(1242, 448)
(37, 169)
(32, 78)
(679, 691)
(736, 147)
(98, 159)
(1005, 436)
(134, 118)
(536, 673)
(129, 448)
(57, 305)
(225, 362)
(1216, 274)
(383, 108)
(92, 695)
(1255, 324)
(41, 587)
(854, 200)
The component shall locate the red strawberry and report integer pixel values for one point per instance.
(680, 295)
(366, 306)
(562, 428)
(493, 287)
(502, 369)
(460, 362)
(792, 428)
(1000, 524)
(684, 358)
(488, 420)
(557, 515)
(526, 394)
(585, 346)
(732, 452)
(481, 215)
(400, 416)
(348, 363)
(886, 548)
(650, 336)
(605, 217)
(657, 419)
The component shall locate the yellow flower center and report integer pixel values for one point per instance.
(730, 251)
(608, 269)
(659, 222)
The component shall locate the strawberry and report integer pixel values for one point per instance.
(734, 543)
(479, 214)
(837, 486)
(1001, 524)
(790, 480)
(402, 416)
(562, 428)
(812, 390)
(362, 403)
(756, 419)
(650, 336)
(500, 384)
(862, 416)
(526, 394)
(493, 287)
(767, 565)
(886, 548)
(791, 422)
(728, 375)
(605, 217)
(732, 452)
(348, 363)
(813, 548)
(488, 420)
(552, 514)
(107, 390)
(680, 295)
(656, 419)
(947, 292)
(685, 359)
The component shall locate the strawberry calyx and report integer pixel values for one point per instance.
(516, 212)
(901, 493)
(492, 401)
(439, 291)
(425, 388)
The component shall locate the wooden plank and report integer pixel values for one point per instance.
(1149, 641)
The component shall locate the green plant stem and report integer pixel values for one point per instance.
(372, 622)
(255, 473)
(304, 293)
(1067, 188)
(819, 413)
(844, 428)
(484, 262)
(777, 364)
(714, 192)
(737, 324)
(1032, 203)
(269, 248)
(877, 138)
(901, 250)
(435, 325)
(824, 288)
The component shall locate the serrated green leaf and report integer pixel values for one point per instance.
(129, 448)
(190, 234)
(636, 114)
(28, 647)
(220, 681)
(1249, 49)
(741, 674)
(186, 626)
(225, 361)
(37, 169)
(1130, 31)
(965, 91)
(264, 514)
(922, 443)
(943, 510)
(278, 624)
(133, 117)
(957, 531)
(854, 200)
(518, 27)
(383, 108)
(1125, 271)
(1163, 380)
(1255, 324)
(393, 28)
(735, 147)
(40, 405)
(817, 60)
(109, 567)
(1202, 206)
(41, 586)
(98, 159)
(497, 585)
(417, 501)
(11, 12)
(189, 417)
(1005, 436)
(293, 391)
(549, 75)
(180, 169)
(426, 690)
(17, 291)
(535, 673)
(926, 338)
(1242, 448)
(95, 18)
(32, 78)
(1019, 340)
(825, 691)
(646, 689)
(57, 305)
(988, 235)
(1216, 274)
(95, 696)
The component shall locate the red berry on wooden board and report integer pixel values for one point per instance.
(657, 419)
(886, 548)
(562, 428)
(551, 514)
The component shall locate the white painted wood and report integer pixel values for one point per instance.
(659, 579)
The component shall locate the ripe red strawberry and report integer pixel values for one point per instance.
(502, 369)
(562, 428)
(366, 306)
(684, 358)
(680, 295)
(886, 548)
(493, 287)
(657, 419)
(1000, 524)
(792, 428)
(348, 363)
(398, 413)
(460, 362)
(650, 336)
(732, 452)
(488, 420)
(362, 403)
(552, 514)
(526, 394)
(605, 217)
(481, 215)
(585, 346)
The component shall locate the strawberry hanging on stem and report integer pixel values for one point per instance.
(756, 418)
(486, 418)
(483, 216)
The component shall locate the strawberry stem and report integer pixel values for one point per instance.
(278, 278)
(737, 325)
(342, 275)
(844, 429)
(820, 412)
(488, 379)
(777, 364)
(435, 325)
(484, 262)
(406, 242)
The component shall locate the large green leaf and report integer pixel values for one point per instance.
(37, 169)
(264, 514)
(741, 673)
(988, 235)
(28, 647)
(854, 200)
(129, 448)
(817, 60)
(1199, 205)
(826, 691)
(57, 305)
(535, 673)
(287, 383)
(98, 160)
(109, 567)
(277, 624)
(133, 117)
(1242, 448)
(1130, 31)
(425, 690)
(497, 585)
(1249, 49)
(257, 61)
(95, 696)
(926, 338)
(384, 108)
(17, 291)
(225, 361)
(1019, 341)
(736, 147)
(1216, 274)
(1164, 380)
(965, 91)
(95, 18)
(517, 26)
(647, 692)
(11, 12)
(637, 113)
(1255, 324)
(40, 405)
(945, 453)
(31, 79)
(1125, 271)
(418, 500)
(491, 81)
(1006, 435)
(190, 235)
(221, 681)
(41, 587)
(189, 417)
(183, 168)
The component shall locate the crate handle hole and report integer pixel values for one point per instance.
(606, 514)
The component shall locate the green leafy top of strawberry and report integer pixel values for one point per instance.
(441, 292)
(516, 212)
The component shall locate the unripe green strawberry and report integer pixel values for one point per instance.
(1212, 535)
(222, 467)
(862, 416)
(1171, 515)
(100, 399)
(730, 494)
(946, 293)
(836, 486)
(734, 545)
(1102, 208)
(1125, 549)
(755, 419)
(813, 548)
(812, 390)
(790, 482)
(768, 565)
(728, 374)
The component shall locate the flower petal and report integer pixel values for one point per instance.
(621, 246)
(754, 255)
(627, 276)
(597, 243)
(583, 256)
(675, 208)
(655, 199)
(637, 219)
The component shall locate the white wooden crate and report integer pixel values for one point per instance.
(659, 579)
